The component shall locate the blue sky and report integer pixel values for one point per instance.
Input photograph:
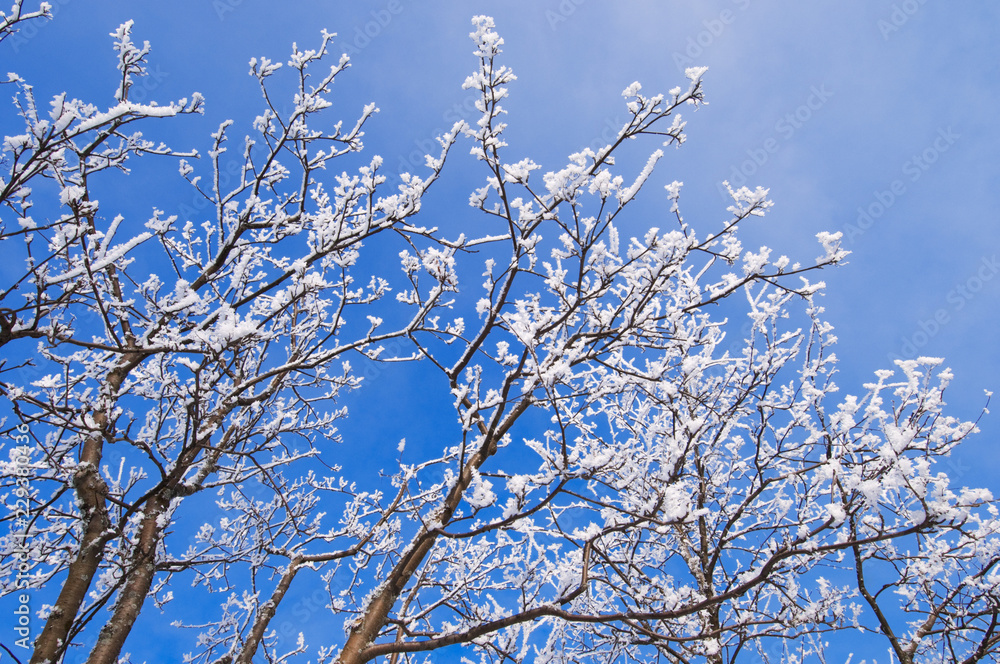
(873, 117)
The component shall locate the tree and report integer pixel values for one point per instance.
(9, 24)
(679, 501)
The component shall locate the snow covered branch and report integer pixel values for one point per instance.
(618, 478)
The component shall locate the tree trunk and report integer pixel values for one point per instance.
(266, 613)
(91, 490)
(367, 628)
(139, 579)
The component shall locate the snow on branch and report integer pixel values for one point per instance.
(616, 467)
